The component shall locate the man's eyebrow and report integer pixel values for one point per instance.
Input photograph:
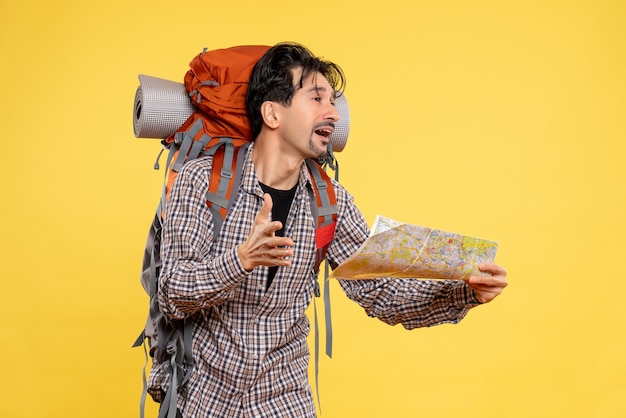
(321, 89)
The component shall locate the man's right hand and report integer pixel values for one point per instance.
(263, 247)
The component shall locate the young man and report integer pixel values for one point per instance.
(247, 290)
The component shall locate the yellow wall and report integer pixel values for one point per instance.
(504, 120)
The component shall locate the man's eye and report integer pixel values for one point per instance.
(317, 99)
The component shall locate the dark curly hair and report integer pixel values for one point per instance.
(271, 78)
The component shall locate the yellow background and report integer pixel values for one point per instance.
(503, 120)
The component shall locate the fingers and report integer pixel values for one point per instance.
(263, 218)
(264, 215)
(268, 251)
(280, 255)
(487, 287)
(263, 247)
(493, 269)
(487, 282)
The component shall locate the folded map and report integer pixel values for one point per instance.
(399, 250)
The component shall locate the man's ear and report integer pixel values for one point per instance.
(269, 111)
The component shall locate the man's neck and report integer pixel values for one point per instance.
(274, 168)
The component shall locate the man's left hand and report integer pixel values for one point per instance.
(487, 287)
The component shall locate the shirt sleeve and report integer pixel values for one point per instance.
(410, 302)
(191, 277)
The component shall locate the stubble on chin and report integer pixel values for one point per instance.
(315, 150)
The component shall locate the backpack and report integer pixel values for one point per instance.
(216, 85)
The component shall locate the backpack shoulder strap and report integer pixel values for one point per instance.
(226, 175)
(323, 207)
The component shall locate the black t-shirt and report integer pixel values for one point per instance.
(281, 200)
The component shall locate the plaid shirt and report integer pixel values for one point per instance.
(250, 345)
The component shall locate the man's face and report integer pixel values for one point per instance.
(308, 122)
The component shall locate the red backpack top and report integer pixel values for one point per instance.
(217, 83)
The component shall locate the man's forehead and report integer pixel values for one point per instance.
(312, 81)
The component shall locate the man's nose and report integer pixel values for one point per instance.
(331, 112)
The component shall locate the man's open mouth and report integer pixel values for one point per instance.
(325, 132)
